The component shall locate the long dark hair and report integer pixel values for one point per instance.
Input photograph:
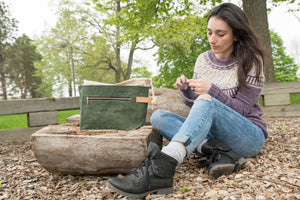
(248, 50)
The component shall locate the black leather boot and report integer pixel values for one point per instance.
(154, 175)
(222, 159)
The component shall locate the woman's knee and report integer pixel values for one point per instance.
(157, 116)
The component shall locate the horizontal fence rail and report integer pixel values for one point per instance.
(38, 105)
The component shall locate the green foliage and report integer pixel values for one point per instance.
(58, 174)
(140, 72)
(179, 46)
(284, 66)
(22, 56)
(8, 27)
(47, 77)
(283, 127)
(96, 63)
(212, 2)
(93, 57)
(294, 5)
(185, 190)
(68, 41)
(141, 18)
(130, 24)
(59, 47)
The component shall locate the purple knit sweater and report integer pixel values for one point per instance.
(223, 76)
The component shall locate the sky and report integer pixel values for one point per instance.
(35, 16)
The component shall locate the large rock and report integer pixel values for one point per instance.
(167, 99)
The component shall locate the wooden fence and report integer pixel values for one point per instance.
(40, 112)
(276, 99)
(43, 112)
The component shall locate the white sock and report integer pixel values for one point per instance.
(199, 147)
(175, 150)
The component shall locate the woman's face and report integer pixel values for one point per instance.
(220, 37)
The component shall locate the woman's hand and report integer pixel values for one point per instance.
(199, 86)
(181, 82)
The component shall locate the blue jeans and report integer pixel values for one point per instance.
(210, 119)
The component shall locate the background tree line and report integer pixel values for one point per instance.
(100, 40)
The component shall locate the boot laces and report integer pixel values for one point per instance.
(215, 157)
(142, 170)
(218, 155)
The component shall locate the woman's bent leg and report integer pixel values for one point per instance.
(167, 123)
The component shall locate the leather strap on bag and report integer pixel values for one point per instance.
(143, 99)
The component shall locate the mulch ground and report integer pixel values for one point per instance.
(273, 174)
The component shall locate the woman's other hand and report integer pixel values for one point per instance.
(181, 82)
(199, 86)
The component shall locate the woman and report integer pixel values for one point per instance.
(224, 122)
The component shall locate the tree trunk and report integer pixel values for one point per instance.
(130, 60)
(256, 11)
(3, 84)
(118, 63)
(2, 74)
(70, 87)
(118, 45)
(25, 83)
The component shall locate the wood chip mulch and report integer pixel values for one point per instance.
(273, 174)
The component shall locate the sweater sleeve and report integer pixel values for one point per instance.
(242, 102)
(190, 95)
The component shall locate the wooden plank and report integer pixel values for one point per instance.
(42, 118)
(282, 84)
(276, 99)
(38, 105)
(282, 87)
(167, 99)
(280, 90)
(59, 149)
(20, 134)
(289, 110)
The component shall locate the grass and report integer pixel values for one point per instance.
(295, 98)
(62, 115)
(20, 120)
(13, 121)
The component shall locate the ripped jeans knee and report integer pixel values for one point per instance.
(204, 96)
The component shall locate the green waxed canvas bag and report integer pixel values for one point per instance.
(113, 106)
